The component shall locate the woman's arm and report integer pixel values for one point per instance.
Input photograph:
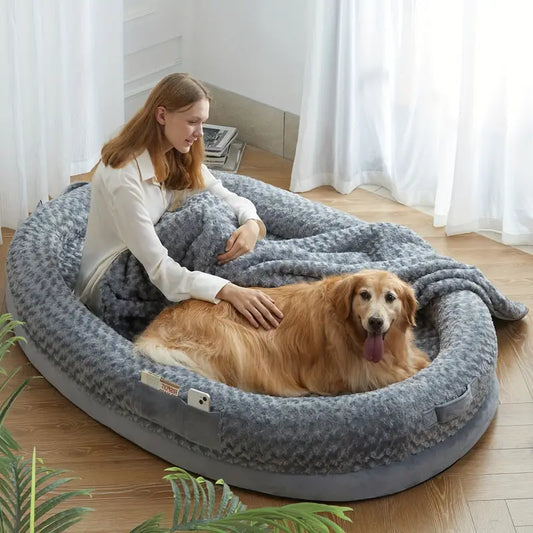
(251, 229)
(177, 283)
(136, 230)
(258, 308)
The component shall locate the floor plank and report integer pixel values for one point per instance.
(491, 516)
(510, 461)
(515, 414)
(500, 437)
(496, 486)
(521, 512)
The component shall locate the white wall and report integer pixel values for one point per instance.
(154, 34)
(255, 48)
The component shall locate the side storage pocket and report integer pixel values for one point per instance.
(172, 413)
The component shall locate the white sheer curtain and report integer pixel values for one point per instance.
(433, 100)
(61, 95)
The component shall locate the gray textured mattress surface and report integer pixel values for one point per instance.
(266, 441)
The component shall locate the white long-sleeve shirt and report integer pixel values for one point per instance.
(125, 204)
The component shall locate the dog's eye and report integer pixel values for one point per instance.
(365, 295)
(390, 297)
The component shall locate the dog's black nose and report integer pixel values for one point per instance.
(375, 322)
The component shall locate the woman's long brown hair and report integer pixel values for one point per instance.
(143, 132)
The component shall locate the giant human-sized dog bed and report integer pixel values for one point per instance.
(340, 448)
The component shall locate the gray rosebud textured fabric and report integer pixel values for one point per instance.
(305, 242)
(315, 435)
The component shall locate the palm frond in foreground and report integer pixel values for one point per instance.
(198, 507)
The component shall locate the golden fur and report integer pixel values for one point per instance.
(321, 346)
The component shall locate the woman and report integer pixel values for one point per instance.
(155, 159)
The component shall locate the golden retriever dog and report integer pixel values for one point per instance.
(343, 334)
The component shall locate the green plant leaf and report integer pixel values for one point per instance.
(7, 442)
(24, 475)
(32, 499)
(15, 475)
(6, 317)
(203, 495)
(151, 526)
(235, 505)
(45, 507)
(186, 498)
(7, 326)
(224, 499)
(5, 525)
(284, 519)
(187, 490)
(6, 522)
(62, 520)
(24, 483)
(6, 344)
(8, 378)
(177, 502)
(196, 499)
(45, 489)
(211, 498)
(232, 516)
(8, 402)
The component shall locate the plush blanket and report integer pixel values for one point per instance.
(306, 241)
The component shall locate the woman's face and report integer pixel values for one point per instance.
(184, 126)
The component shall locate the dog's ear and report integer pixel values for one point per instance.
(343, 294)
(409, 303)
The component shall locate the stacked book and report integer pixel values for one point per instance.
(222, 149)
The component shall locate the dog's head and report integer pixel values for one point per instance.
(375, 301)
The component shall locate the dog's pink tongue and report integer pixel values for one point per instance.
(374, 348)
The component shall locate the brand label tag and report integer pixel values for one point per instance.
(159, 383)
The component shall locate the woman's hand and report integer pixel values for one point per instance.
(242, 241)
(257, 307)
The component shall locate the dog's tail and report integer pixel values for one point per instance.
(147, 347)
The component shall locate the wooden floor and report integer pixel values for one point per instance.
(489, 490)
